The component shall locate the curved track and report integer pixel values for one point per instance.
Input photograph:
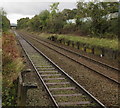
(63, 89)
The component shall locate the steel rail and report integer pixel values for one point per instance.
(69, 77)
(109, 78)
(52, 98)
(86, 57)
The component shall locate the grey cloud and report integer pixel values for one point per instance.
(17, 10)
(32, 8)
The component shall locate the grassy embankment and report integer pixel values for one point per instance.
(12, 65)
(99, 42)
(91, 41)
(0, 63)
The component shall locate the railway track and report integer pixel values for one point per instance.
(80, 55)
(107, 76)
(63, 89)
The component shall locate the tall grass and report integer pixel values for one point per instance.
(90, 41)
(12, 65)
(0, 64)
(98, 42)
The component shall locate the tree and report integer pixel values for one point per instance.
(91, 18)
(2, 12)
(54, 8)
(56, 24)
(69, 14)
(55, 21)
(35, 23)
(22, 23)
(44, 17)
(98, 12)
(4, 21)
(82, 12)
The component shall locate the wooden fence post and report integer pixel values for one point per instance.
(103, 51)
(62, 41)
(115, 54)
(68, 42)
(22, 88)
(73, 44)
(93, 50)
(84, 46)
(78, 45)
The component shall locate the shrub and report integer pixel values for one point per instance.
(12, 65)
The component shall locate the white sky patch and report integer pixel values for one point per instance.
(58, 0)
(14, 17)
(40, 0)
(29, 8)
(17, 10)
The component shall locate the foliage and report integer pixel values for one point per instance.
(54, 9)
(4, 22)
(98, 42)
(55, 21)
(0, 64)
(113, 27)
(44, 17)
(69, 28)
(85, 28)
(91, 18)
(55, 24)
(35, 23)
(10, 95)
(23, 22)
(96, 10)
(69, 14)
(39, 22)
(2, 12)
(12, 65)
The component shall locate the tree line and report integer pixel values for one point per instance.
(4, 21)
(54, 21)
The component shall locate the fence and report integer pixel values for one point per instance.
(22, 88)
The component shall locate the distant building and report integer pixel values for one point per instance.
(85, 19)
(108, 16)
(73, 21)
(112, 15)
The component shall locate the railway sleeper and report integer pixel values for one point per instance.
(50, 75)
(48, 72)
(57, 90)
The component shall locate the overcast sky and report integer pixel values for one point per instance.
(17, 9)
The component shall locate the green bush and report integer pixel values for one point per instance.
(110, 35)
(5, 24)
(12, 66)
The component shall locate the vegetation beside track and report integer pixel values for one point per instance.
(12, 65)
(95, 22)
(4, 21)
(96, 19)
(11, 61)
(0, 64)
(91, 41)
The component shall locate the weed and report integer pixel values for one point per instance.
(12, 65)
(98, 42)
